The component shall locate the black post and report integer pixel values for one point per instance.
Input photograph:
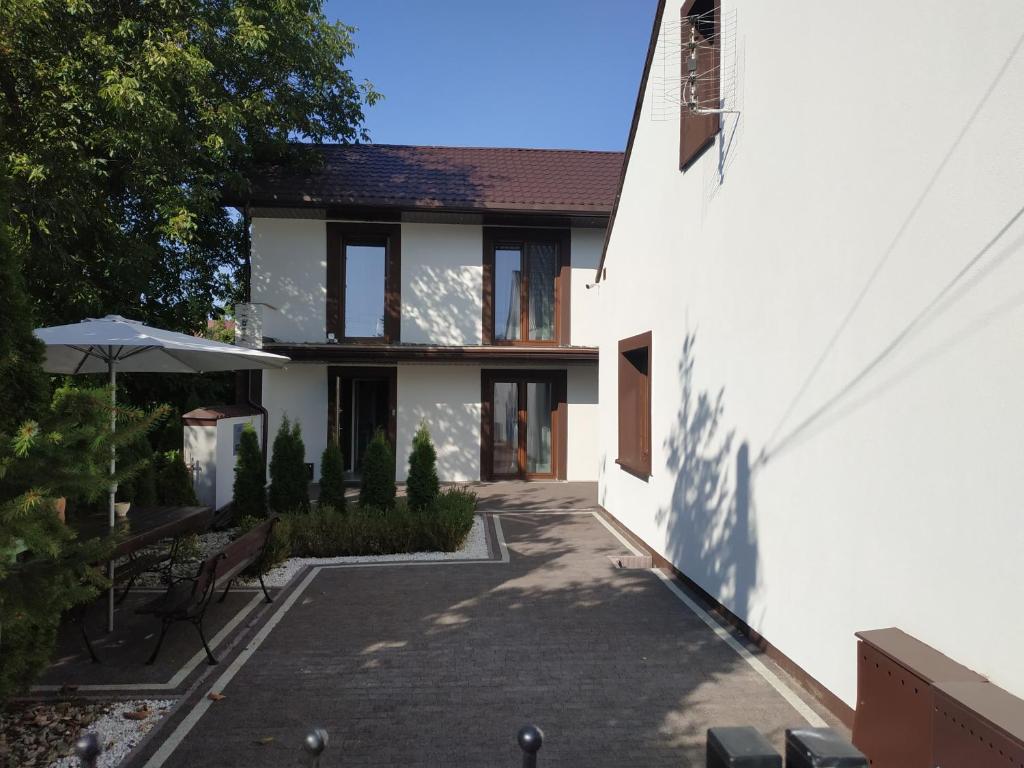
(88, 750)
(313, 745)
(530, 738)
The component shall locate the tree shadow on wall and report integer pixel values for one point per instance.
(708, 532)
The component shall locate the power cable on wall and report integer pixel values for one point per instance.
(928, 312)
(844, 323)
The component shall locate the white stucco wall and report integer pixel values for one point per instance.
(289, 271)
(586, 247)
(583, 452)
(442, 281)
(300, 391)
(442, 284)
(881, 169)
(447, 397)
(199, 445)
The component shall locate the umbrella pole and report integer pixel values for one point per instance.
(113, 485)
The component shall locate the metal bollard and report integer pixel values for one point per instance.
(88, 750)
(313, 745)
(531, 739)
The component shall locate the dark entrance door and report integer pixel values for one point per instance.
(523, 429)
(362, 400)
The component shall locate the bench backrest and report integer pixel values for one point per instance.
(245, 550)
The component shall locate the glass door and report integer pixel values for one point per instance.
(520, 430)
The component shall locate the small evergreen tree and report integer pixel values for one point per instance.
(174, 481)
(332, 477)
(44, 570)
(422, 485)
(250, 489)
(377, 488)
(289, 480)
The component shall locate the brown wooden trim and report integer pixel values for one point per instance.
(643, 468)
(340, 234)
(334, 280)
(839, 708)
(592, 217)
(562, 237)
(558, 379)
(367, 352)
(383, 372)
(641, 95)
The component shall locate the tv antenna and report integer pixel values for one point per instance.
(694, 66)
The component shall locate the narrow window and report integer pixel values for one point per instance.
(508, 288)
(635, 405)
(365, 270)
(701, 61)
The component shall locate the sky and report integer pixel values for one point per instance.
(526, 73)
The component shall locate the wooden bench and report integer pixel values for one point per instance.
(187, 599)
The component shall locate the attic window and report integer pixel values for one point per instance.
(701, 83)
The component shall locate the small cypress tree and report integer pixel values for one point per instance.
(174, 481)
(378, 482)
(250, 489)
(332, 477)
(422, 485)
(289, 482)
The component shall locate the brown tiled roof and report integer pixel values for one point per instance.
(452, 178)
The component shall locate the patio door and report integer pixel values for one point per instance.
(361, 401)
(523, 429)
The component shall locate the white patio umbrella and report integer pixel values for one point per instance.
(112, 343)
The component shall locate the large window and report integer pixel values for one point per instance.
(524, 422)
(363, 282)
(526, 278)
(365, 269)
(635, 405)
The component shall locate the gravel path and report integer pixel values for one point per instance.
(121, 729)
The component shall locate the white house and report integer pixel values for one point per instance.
(812, 298)
(445, 285)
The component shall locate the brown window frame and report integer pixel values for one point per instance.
(497, 237)
(342, 234)
(558, 379)
(697, 132)
(634, 444)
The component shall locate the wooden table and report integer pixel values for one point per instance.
(142, 527)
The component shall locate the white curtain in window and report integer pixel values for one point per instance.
(543, 261)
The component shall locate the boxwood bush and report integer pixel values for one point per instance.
(326, 532)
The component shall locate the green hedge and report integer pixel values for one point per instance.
(325, 532)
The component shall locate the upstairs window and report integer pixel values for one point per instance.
(701, 81)
(635, 405)
(363, 282)
(526, 279)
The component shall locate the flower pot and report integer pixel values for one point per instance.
(121, 508)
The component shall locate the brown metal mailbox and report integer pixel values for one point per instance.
(896, 674)
(977, 724)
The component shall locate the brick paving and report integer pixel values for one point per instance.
(432, 665)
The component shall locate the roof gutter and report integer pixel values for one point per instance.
(641, 93)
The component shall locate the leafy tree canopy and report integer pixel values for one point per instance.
(123, 126)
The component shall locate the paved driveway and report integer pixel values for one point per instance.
(426, 665)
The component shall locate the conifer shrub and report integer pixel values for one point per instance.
(289, 479)
(174, 481)
(422, 487)
(250, 487)
(332, 478)
(377, 489)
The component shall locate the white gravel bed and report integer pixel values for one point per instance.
(210, 543)
(475, 548)
(119, 735)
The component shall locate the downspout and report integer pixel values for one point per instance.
(250, 375)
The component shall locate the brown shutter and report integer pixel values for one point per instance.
(635, 404)
(696, 131)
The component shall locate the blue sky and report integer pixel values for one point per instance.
(528, 73)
